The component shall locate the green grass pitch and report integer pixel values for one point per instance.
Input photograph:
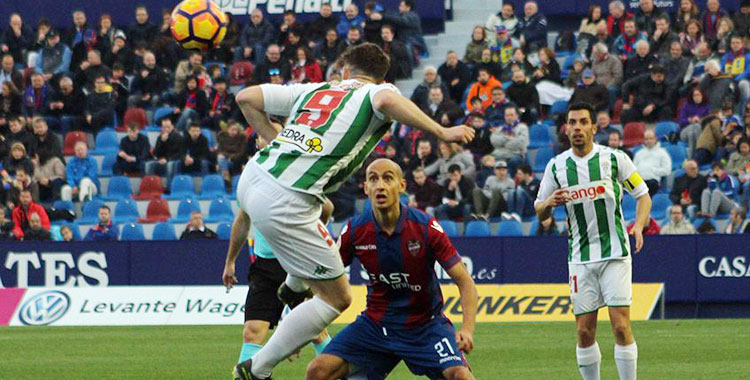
(675, 349)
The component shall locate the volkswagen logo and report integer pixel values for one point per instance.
(44, 308)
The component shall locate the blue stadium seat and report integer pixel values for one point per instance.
(209, 136)
(558, 108)
(224, 230)
(219, 211)
(132, 231)
(543, 155)
(559, 213)
(107, 164)
(477, 228)
(510, 228)
(126, 211)
(628, 207)
(91, 212)
(63, 205)
(678, 153)
(160, 113)
(213, 187)
(181, 187)
(539, 136)
(118, 188)
(184, 209)
(569, 61)
(659, 204)
(534, 229)
(450, 227)
(698, 221)
(665, 128)
(106, 142)
(164, 231)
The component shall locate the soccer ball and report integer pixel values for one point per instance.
(198, 24)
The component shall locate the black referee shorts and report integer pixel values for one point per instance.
(262, 304)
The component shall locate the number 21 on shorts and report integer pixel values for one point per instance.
(441, 346)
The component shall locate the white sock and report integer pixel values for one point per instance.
(626, 359)
(296, 284)
(297, 329)
(589, 360)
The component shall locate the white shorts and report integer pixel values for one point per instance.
(599, 284)
(290, 222)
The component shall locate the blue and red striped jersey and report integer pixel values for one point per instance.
(403, 289)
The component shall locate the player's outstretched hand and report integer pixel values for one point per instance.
(465, 341)
(460, 134)
(228, 278)
(638, 235)
(558, 197)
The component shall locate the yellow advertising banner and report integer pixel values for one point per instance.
(522, 303)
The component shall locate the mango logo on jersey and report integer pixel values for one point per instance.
(589, 191)
(397, 281)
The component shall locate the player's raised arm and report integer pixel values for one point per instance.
(403, 110)
(468, 291)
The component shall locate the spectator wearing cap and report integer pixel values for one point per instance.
(191, 104)
(532, 28)
(625, 45)
(653, 162)
(256, 36)
(591, 92)
(272, 61)
(120, 52)
(640, 63)
(196, 229)
(168, 151)
(8, 72)
(604, 127)
(54, 58)
(134, 152)
(617, 17)
(81, 174)
(736, 64)
(663, 37)
(104, 230)
(350, 18)
(455, 74)
(646, 16)
(505, 18)
(67, 107)
(710, 18)
(647, 97)
(492, 199)
(510, 140)
(502, 46)
(150, 82)
(399, 53)
(22, 214)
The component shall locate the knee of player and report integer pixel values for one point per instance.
(253, 334)
(621, 330)
(586, 332)
(318, 370)
(344, 301)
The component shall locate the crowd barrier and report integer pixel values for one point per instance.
(694, 269)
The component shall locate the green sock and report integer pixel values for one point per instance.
(248, 351)
(319, 347)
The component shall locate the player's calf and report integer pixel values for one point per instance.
(458, 373)
(326, 367)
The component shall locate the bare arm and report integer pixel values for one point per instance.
(544, 209)
(468, 292)
(401, 109)
(642, 212)
(250, 101)
(240, 230)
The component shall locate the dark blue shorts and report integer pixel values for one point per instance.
(376, 350)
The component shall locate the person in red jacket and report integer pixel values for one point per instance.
(23, 210)
(306, 69)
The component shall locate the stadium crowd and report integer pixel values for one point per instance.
(671, 90)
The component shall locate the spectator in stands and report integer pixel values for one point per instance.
(318, 28)
(737, 223)
(288, 25)
(529, 188)
(289, 47)
(11, 102)
(710, 139)
(617, 17)
(168, 151)
(575, 74)
(492, 199)
(503, 46)
(532, 28)
(67, 107)
(105, 230)
(100, 105)
(106, 32)
(706, 228)
(715, 85)
(81, 38)
(22, 214)
(615, 142)
(90, 69)
(650, 97)
(736, 64)
(476, 106)
(50, 175)
(505, 18)
(653, 162)
(17, 158)
(373, 22)
(641, 62)
(46, 144)
(480, 145)
(457, 193)
(478, 43)
(273, 61)
(486, 62)
(677, 224)
(409, 26)
(8, 72)
(625, 45)
(22, 181)
(350, 18)
(134, 152)
(66, 233)
(441, 110)
(149, 83)
(676, 65)
(686, 12)
(604, 127)
(495, 112)
(121, 53)
(718, 197)
(197, 157)
(35, 231)
(191, 67)
(482, 88)
(420, 96)
(329, 49)
(192, 104)
(688, 189)
(591, 92)
(81, 174)
(54, 58)
(36, 98)
(221, 105)
(692, 37)
(17, 133)
(455, 74)
(17, 38)
(547, 227)
(425, 194)
(424, 155)
(525, 96)
(451, 154)
(647, 15)
(306, 69)
(739, 166)
(741, 19)
(711, 16)
(592, 21)
(486, 169)
(548, 68)
(353, 37)
(195, 229)
(232, 152)
(662, 38)
(6, 226)
(42, 28)
(256, 36)
(690, 118)
(398, 53)
(511, 140)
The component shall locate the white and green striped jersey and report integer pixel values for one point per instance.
(596, 228)
(331, 130)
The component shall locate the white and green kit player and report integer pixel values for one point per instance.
(330, 130)
(590, 179)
